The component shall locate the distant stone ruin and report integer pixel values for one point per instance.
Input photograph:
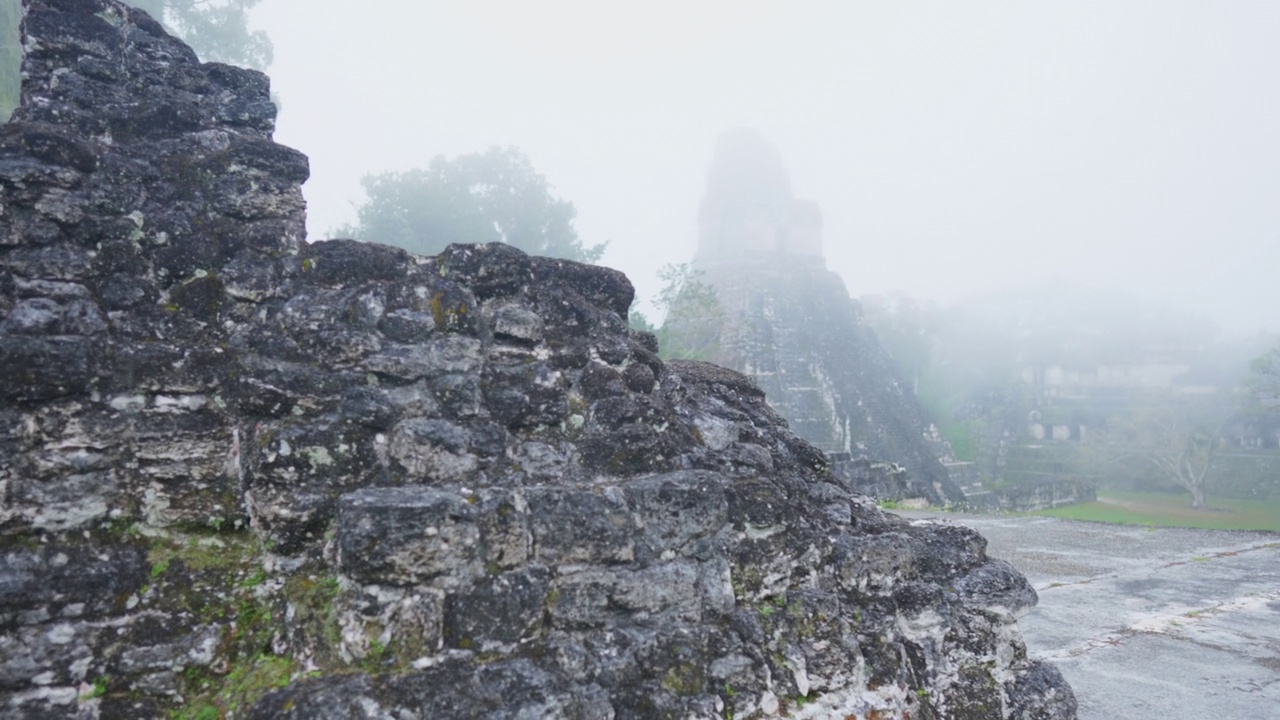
(249, 477)
(790, 324)
(748, 214)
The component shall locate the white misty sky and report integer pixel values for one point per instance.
(955, 148)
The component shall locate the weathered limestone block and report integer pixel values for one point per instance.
(439, 356)
(63, 581)
(497, 610)
(996, 587)
(514, 324)
(433, 450)
(578, 525)
(407, 535)
(679, 515)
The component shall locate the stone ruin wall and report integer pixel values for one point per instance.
(790, 324)
(748, 214)
(248, 477)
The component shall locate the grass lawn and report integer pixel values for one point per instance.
(1163, 510)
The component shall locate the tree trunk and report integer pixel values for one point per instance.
(1197, 497)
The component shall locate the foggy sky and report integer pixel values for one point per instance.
(955, 148)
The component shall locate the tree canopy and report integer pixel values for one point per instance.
(1178, 440)
(692, 315)
(217, 30)
(1263, 384)
(494, 196)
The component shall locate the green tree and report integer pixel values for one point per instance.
(1260, 401)
(1177, 439)
(693, 317)
(1263, 385)
(494, 196)
(638, 320)
(218, 30)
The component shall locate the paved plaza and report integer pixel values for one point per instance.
(1164, 623)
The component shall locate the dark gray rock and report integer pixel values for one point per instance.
(997, 586)
(497, 610)
(245, 476)
(68, 580)
(1038, 692)
(406, 535)
(510, 690)
(42, 368)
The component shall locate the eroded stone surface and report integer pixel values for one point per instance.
(249, 477)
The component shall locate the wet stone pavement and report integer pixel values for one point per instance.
(1165, 623)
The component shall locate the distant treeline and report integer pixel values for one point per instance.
(10, 56)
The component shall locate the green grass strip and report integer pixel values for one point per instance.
(1164, 510)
